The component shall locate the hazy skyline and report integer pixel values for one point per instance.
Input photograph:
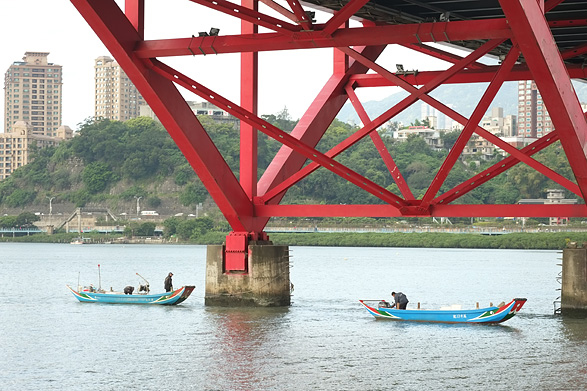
(286, 78)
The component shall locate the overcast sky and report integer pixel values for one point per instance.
(287, 79)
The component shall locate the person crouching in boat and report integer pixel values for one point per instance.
(401, 300)
(168, 283)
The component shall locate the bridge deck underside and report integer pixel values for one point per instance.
(564, 18)
(533, 40)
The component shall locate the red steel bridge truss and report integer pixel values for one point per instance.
(531, 38)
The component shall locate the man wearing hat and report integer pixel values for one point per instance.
(168, 283)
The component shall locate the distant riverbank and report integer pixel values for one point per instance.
(526, 241)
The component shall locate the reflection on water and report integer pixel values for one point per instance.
(245, 338)
(575, 328)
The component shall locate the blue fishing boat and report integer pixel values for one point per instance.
(453, 314)
(90, 295)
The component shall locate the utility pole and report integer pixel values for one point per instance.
(50, 205)
(138, 207)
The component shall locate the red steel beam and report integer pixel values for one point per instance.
(249, 98)
(313, 124)
(423, 205)
(519, 72)
(301, 16)
(461, 119)
(342, 16)
(441, 54)
(120, 37)
(408, 101)
(553, 24)
(277, 134)
(509, 210)
(124, 38)
(250, 15)
(367, 36)
(280, 9)
(495, 170)
(470, 127)
(574, 52)
(135, 12)
(544, 60)
(380, 146)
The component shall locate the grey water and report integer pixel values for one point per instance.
(324, 341)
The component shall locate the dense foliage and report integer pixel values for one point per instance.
(140, 152)
(23, 220)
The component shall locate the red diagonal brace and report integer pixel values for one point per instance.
(135, 12)
(277, 134)
(342, 16)
(313, 124)
(495, 170)
(250, 15)
(442, 55)
(300, 13)
(470, 127)
(544, 60)
(120, 37)
(383, 117)
(383, 152)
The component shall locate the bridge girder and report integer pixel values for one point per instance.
(249, 203)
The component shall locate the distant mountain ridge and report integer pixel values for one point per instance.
(463, 98)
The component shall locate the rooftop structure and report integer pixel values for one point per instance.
(33, 93)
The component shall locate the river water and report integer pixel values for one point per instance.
(324, 341)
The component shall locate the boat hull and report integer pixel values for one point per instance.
(168, 298)
(481, 315)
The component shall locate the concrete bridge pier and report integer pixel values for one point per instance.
(574, 281)
(264, 283)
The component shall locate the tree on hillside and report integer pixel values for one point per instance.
(96, 177)
(26, 219)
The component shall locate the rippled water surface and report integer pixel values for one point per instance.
(324, 341)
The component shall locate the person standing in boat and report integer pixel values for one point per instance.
(168, 282)
(401, 300)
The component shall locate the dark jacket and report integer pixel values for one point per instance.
(168, 284)
(400, 298)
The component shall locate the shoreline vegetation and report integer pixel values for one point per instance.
(522, 241)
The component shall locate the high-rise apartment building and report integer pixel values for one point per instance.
(533, 118)
(32, 93)
(116, 98)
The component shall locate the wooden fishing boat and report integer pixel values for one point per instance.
(451, 314)
(89, 295)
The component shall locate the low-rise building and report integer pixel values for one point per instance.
(431, 136)
(553, 196)
(16, 143)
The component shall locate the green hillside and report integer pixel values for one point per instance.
(110, 164)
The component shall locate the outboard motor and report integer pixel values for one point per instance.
(129, 290)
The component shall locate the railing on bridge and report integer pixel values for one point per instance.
(19, 231)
